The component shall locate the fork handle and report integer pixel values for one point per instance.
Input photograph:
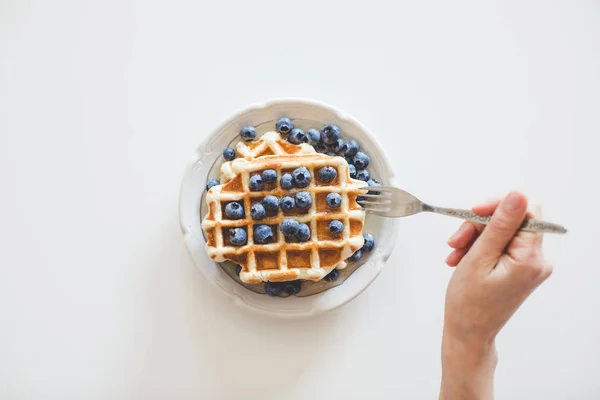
(529, 224)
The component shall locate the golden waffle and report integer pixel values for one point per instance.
(284, 259)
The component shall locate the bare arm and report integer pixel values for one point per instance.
(497, 268)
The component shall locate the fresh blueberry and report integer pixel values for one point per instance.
(287, 182)
(327, 174)
(332, 276)
(256, 183)
(273, 288)
(303, 233)
(331, 153)
(297, 136)
(373, 182)
(301, 177)
(229, 154)
(289, 227)
(314, 136)
(263, 234)
(269, 176)
(237, 236)
(330, 134)
(303, 200)
(337, 147)
(287, 204)
(292, 287)
(352, 170)
(212, 182)
(333, 200)
(271, 203)
(356, 256)
(248, 133)
(351, 148)
(258, 212)
(284, 125)
(321, 147)
(369, 242)
(336, 227)
(363, 175)
(234, 210)
(361, 160)
(238, 269)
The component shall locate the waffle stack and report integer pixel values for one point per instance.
(284, 259)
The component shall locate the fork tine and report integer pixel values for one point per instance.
(377, 211)
(374, 201)
(372, 195)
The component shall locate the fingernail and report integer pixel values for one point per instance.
(513, 202)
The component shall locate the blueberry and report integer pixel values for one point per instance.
(351, 148)
(234, 210)
(289, 227)
(330, 134)
(331, 153)
(303, 200)
(248, 133)
(297, 136)
(356, 256)
(237, 236)
(336, 227)
(337, 146)
(263, 234)
(321, 147)
(332, 276)
(301, 177)
(273, 288)
(256, 183)
(303, 233)
(269, 176)
(314, 136)
(369, 242)
(229, 154)
(361, 160)
(258, 212)
(284, 125)
(373, 182)
(363, 175)
(333, 200)
(212, 182)
(352, 170)
(287, 204)
(238, 269)
(271, 203)
(287, 181)
(292, 287)
(327, 174)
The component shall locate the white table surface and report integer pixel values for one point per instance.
(102, 104)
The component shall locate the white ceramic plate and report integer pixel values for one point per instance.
(263, 117)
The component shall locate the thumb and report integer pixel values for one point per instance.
(505, 222)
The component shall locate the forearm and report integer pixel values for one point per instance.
(467, 369)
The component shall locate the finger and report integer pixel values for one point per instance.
(457, 254)
(463, 235)
(505, 222)
(488, 207)
(533, 238)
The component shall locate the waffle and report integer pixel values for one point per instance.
(284, 259)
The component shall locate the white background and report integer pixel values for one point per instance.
(102, 104)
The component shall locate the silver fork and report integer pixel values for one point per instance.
(389, 201)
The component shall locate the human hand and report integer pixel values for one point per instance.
(497, 268)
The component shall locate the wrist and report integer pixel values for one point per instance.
(468, 366)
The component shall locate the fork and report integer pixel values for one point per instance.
(387, 201)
